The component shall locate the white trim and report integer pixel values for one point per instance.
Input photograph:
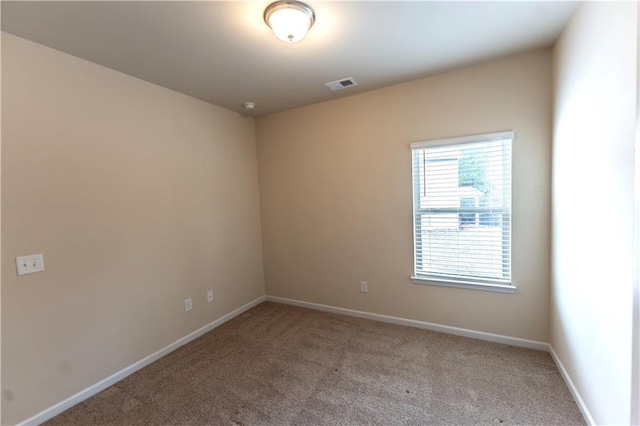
(480, 335)
(490, 337)
(572, 388)
(497, 136)
(114, 378)
(499, 288)
(635, 310)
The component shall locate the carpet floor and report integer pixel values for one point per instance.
(283, 365)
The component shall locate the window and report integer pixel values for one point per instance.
(462, 212)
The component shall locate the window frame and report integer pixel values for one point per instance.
(475, 283)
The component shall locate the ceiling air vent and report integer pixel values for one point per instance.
(341, 84)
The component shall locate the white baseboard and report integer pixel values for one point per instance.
(572, 388)
(481, 335)
(497, 338)
(114, 378)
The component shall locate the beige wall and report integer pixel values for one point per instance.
(336, 203)
(595, 75)
(138, 197)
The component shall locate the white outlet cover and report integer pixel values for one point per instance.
(210, 296)
(29, 264)
(188, 305)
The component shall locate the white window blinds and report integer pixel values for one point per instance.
(462, 209)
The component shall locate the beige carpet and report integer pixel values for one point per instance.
(282, 365)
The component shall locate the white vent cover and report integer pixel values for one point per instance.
(341, 84)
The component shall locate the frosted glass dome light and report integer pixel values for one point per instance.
(289, 20)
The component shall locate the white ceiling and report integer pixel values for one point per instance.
(223, 53)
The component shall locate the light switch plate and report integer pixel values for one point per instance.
(29, 264)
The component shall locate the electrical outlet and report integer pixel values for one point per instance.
(364, 287)
(210, 296)
(29, 264)
(188, 305)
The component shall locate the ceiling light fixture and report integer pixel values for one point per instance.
(290, 20)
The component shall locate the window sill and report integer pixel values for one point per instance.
(498, 288)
